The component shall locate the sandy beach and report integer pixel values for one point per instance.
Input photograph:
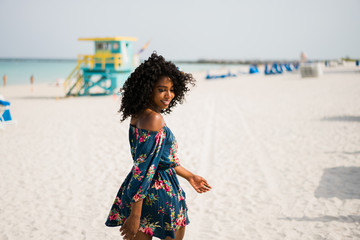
(281, 152)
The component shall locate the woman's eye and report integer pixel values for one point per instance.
(161, 90)
(172, 90)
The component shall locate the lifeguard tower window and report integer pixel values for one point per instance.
(115, 46)
(103, 46)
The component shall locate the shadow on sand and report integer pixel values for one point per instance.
(326, 218)
(344, 152)
(344, 118)
(339, 182)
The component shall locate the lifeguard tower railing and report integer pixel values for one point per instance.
(111, 66)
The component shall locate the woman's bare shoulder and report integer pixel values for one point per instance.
(150, 120)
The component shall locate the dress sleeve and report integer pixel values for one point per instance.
(174, 154)
(149, 148)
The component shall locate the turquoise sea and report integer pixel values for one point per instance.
(19, 71)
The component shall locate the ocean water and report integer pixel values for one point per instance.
(49, 71)
(20, 71)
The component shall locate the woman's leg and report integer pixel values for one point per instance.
(179, 234)
(142, 236)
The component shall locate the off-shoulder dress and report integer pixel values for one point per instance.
(153, 179)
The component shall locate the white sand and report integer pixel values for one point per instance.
(282, 154)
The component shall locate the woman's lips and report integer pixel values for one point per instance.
(166, 102)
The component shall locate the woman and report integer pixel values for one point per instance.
(150, 202)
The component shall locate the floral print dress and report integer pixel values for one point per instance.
(154, 180)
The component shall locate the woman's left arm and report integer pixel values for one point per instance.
(197, 182)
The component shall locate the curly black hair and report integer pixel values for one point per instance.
(137, 89)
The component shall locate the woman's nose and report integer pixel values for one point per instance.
(168, 93)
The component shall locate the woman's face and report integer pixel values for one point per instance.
(163, 93)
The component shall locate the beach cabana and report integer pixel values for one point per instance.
(104, 72)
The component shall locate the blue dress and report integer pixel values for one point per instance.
(154, 180)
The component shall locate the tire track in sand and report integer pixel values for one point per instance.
(206, 226)
(262, 156)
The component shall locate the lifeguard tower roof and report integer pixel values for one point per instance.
(109, 39)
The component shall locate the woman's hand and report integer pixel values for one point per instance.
(130, 227)
(199, 184)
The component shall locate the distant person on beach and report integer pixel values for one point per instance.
(150, 201)
(4, 79)
(32, 82)
(303, 57)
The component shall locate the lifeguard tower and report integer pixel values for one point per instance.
(104, 72)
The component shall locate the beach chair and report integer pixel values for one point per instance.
(253, 69)
(288, 66)
(5, 116)
(269, 71)
(278, 68)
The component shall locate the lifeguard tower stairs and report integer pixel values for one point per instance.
(104, 72)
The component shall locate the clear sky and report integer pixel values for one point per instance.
(184, 29)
